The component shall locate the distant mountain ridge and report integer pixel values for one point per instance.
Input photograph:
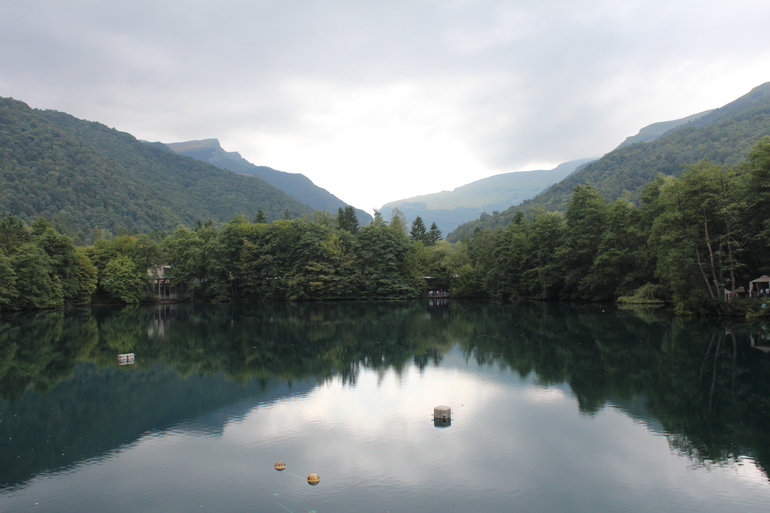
(296, 185)
(655, 130)
(449, 209)
(724, 136)
(82, 174)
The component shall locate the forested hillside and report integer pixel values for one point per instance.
(449, 209)
(698, 240)
(724, 136)
(655, 130)
(295, 185)
(82, 175)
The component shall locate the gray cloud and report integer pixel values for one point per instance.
(511, 83)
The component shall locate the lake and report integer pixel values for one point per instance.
(554, 408)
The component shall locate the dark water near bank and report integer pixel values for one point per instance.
(555, 407)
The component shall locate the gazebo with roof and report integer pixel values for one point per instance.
(760, 286)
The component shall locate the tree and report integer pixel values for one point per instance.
(13, 233)
(382, 261)
(619, 264)
(398, 221)
(260, 217)
(87, 278)
(8, 292)
(698, 237)
(61, 253)
(585, 221)
(418, 232)
(124, 281)
(347, 219)
(434, 234)
(37, 286)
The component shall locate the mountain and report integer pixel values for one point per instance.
(724, 136)
(449, 209)
(655, 130)
(294, 184)
(82, 174)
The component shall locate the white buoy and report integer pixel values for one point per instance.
(442, 412)
(442, 416)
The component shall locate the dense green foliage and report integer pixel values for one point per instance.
(693, 238)
(724, 136)
(687, 238)
(288, 259)
(41, 268)
(81, 174)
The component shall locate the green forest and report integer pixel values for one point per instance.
(691, 239)
(84, 175)
(326, 257)
(89, 214)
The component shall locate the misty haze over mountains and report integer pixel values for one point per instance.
(83, 174)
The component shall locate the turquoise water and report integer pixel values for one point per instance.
(554, 408)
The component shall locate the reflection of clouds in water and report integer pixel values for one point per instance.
(372, 404)
(511, 444)
(544, 395)
(506, 434)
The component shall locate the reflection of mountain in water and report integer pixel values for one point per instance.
(636, 408)
(698, 381)
(100, 410)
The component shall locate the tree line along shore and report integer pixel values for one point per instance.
(695, 241)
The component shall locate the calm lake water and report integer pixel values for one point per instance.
(555, 408)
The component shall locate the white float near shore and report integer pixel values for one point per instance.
(126, 359)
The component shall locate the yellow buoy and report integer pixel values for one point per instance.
(313, 479)
(279, 466)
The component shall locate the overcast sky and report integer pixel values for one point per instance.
(382, 100)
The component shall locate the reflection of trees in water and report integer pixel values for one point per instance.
(701, 379)
(280, 340)
(39, 349)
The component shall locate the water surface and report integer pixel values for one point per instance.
(554, 408)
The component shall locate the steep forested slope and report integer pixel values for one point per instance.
(296, 185)
(723, 136)
(83, 174)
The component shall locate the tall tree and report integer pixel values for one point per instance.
(260, 217)
(418, 231)
(382, 261)
(123, 280)
(37, 285)
(13, 233)
(347, 219)
(8, 292)
(585, 221)
(698, 238)
(434, 234)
